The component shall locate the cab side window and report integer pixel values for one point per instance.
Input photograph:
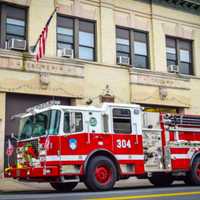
(73, 122)
(121, 120)
(78, 122)
(67, 122)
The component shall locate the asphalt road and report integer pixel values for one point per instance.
(175, 192)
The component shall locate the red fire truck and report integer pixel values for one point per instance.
(65, 145)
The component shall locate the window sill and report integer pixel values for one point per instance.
(4, 51)
(162, 75)
(142, 69)
(188, 76)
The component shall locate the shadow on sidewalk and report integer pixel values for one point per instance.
(84, 190)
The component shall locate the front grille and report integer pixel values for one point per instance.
(34, 144)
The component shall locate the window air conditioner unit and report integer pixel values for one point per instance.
(173, 68)
(66, 53)
(16, 44)
(123, 60)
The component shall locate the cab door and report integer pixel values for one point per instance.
(122, 126)
(127, 139)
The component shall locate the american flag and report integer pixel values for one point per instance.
(40, 46)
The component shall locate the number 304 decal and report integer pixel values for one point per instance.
(122, 144)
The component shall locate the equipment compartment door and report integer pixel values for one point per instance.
(152, 142)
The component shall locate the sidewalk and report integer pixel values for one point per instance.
(11, 185)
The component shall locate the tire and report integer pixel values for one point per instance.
(194, 174)
(161, 180)
(101, 174)
(64, 187)
(187, 179)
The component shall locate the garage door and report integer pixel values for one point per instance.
(18, 103)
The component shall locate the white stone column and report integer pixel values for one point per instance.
(2, 128)
(107, 34)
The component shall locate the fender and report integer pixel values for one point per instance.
(104, 152)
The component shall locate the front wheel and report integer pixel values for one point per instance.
(161, 180)
(64, 187)
(101, 174)
(193, 176)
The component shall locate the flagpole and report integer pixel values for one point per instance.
(8, 161)
(8, 155)
(34, 47)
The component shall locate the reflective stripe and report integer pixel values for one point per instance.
(129, 157)
(73, 157)
(181, 156)
(52, 158)
(83, 157)
(66, 158)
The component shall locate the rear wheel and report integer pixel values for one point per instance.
(101, 174)
(193, 176)
(64, 187)
(161, 180)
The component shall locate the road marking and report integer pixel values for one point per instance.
(148, 196)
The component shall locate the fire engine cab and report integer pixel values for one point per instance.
(65, 145)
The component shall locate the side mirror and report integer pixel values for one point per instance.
(14, 137)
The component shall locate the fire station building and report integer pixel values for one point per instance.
(128, 51)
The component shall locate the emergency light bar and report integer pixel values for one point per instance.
(43, 105)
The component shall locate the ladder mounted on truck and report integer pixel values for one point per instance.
(182, 120)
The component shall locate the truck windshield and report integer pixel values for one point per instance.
(40, 124)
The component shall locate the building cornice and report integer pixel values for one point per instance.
(189, 4)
